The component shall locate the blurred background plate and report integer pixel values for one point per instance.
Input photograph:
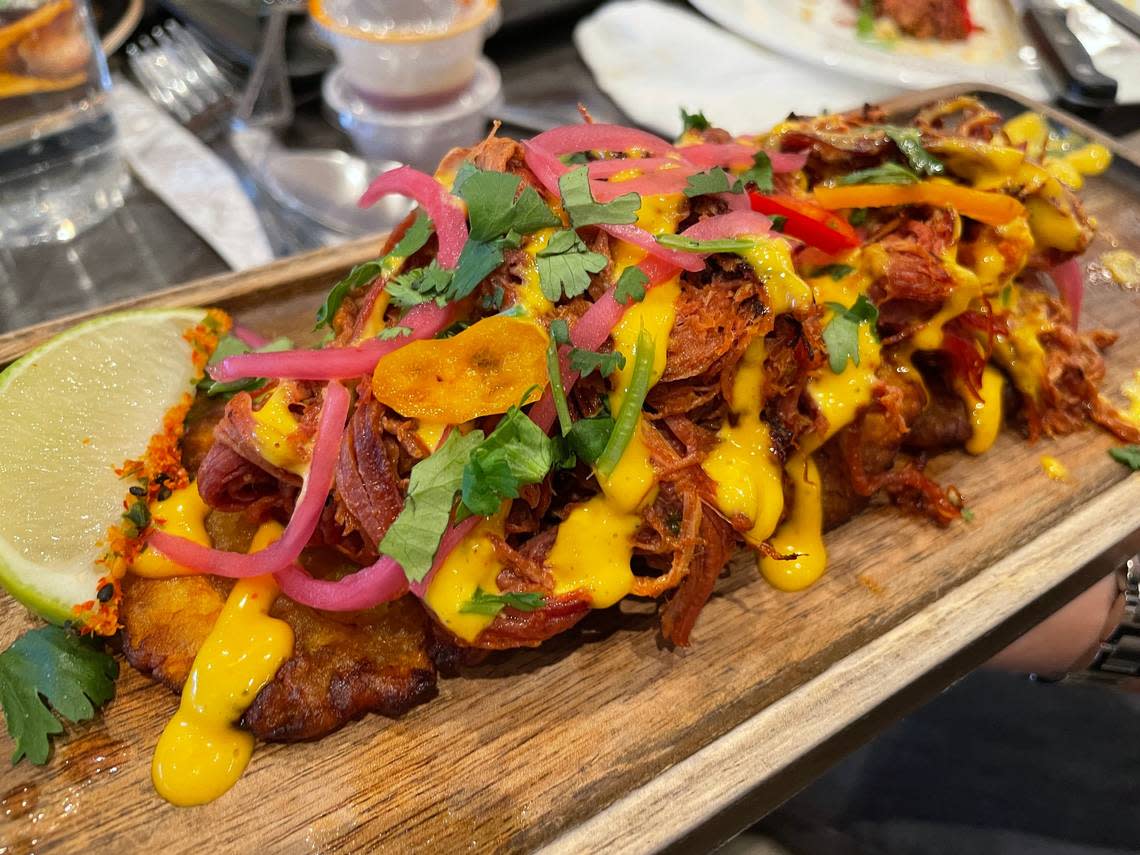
(822, 32)
(116, 20)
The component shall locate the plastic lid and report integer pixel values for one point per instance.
(354, 112)
(401, 20)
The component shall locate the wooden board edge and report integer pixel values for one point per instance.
(666, 808)
(211, 290)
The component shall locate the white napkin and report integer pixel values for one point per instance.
(189, 178)
(653, 59)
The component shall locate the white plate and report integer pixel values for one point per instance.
(823, 32)
(631, 47)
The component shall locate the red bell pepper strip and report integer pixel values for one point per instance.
(814, 225)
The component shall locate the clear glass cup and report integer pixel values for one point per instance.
(60, 169)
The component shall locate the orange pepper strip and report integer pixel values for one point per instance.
(482, 370)
(995, 209)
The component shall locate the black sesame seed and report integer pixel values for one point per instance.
(105, 593)
(137, 491)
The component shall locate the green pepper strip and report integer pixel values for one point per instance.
(556, 388)
(630, 410)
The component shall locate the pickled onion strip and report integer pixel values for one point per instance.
(445, 211)
(610, 168)
(641, 238)
(569, 139)
(379, 583)
(739, 156)
(1071, 286)
(248, 337)
(303, 522)
(654, 184)
(730, 225)
(336, 363)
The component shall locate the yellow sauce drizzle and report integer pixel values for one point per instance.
(771, 259)
(1123, 266)
(183, 513)
(530, 295)
(202, 752)
(1054, 468)
(985, 414)
(592, 552)
(274, 427)
(749, 478)
(801, 534)
(472, 564)
(1131, 390)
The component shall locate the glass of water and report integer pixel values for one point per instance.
(60, 170)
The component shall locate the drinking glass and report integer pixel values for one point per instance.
(60, 170)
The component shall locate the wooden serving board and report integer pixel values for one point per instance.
(603, 739)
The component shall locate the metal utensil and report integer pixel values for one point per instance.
(1065, 60)
(177, 74)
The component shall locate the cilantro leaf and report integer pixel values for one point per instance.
(52, 665)
(886, 173)
(967, 515)
(693, 121)
(687, 244)
(778, 222)
(1006, 295)
(586, 361)
(909, 142)
(494, 210)
(574, 159)
(760, 174)
(516, 453)
(716, 180)
(857, 217)
(482, 603)
(1129, 455)
(414, 535)
(583, 210)
(630, 286)
(421, 284)
(588, 437)
(413, 240)
(565, 264)
(835, 271)
(231, 346)
(393, 332)
(476, 262)
(841, 335)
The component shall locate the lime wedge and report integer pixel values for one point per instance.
(70, 412)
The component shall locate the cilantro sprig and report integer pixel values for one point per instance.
(886, 173)
(715, 180)
(693, 121)
(837, 272)
(414, 535)
(583, 210)
(51, 669)
(1129, 455)
(841, 335)
(760, 174)
(413, 240)
(516, 453)
(688, 244)
(630, 286)
(565, 264)
(482, 603)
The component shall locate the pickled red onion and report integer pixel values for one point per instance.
(739, 156)
(445, 211)
(610, 168)
(653, 184)
(303, 522)
(569, 139)
(732, 224)
(336, 363)
(1071, 286)
(248, 337)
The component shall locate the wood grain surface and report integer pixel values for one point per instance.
(603, 739)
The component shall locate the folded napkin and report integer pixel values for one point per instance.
(189, 178)
(653, 59)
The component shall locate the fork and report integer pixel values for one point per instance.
(178, 74)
